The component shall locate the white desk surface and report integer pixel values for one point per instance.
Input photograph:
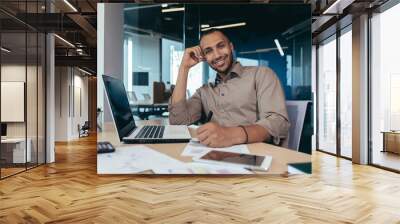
(13, 140)
(279, 166)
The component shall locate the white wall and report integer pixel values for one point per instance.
(110, 46)
(15, 72)
(33, 126)
(67, 114)
(50, 95)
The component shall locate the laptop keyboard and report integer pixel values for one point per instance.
(151, 132)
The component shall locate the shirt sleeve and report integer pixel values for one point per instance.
(185, 112)
(272, 113)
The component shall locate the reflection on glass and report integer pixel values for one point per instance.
(346, 94)
(15, 149)
(385, 84)
(153, 45)
(327, 96)
(22, 90)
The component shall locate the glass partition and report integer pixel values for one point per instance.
(14, 153)
(346, 93)
(385, 89)
(327, 95)
(22, 89)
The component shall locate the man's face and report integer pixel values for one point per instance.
(217, 50)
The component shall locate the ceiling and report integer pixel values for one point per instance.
(77, 22)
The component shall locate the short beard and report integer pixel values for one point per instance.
(230, 58)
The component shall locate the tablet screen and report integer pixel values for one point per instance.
(236, 158)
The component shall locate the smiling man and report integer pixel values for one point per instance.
(247, 102)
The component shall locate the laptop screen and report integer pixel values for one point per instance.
(118, 99)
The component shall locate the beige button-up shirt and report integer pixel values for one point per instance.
(248, 95)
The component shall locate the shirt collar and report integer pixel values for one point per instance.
(235, 71)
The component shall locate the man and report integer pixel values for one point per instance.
(247, 103)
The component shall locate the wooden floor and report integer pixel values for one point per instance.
(387, 159)
(70, 191)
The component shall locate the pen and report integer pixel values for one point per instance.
(210, 114)
(255, 169)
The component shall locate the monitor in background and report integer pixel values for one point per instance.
(140, 78)
(3, 129)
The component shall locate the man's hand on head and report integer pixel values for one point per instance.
(192, 56)
(214, 135)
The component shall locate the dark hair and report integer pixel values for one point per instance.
(213, 30)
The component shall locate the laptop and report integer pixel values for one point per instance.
(127, 130)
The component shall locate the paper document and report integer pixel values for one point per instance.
(134, 159)
(195, 149)
(202, 168)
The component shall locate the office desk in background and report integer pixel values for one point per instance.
(281, 157)
(391, 141)
(143, 109)
(13, 150)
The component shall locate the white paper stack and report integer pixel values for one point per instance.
(134, 159)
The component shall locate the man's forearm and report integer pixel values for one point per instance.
(181, 85)
(255, 133)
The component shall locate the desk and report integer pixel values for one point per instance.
(13, 150)
(391, 141)
(144, 109)
(279, 166)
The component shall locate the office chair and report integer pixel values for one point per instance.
(146, 96)
(297, 112)
(132, 96)
(84, 130)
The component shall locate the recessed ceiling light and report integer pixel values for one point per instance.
(224, 26)
(65, 41)
(164, 5)
(278, 45)
(84, 71)
(173, 10)
(5, 50)
(70, 5)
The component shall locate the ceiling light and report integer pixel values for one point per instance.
(328, 10)
(84, 71)
(70, 5)
(5, 50)
(225, 26)
(164, 5)
(205, 25)
(278, 45)
(261, 50)
(173, 9)
(64, 40)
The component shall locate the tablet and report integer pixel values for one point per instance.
(249, 161)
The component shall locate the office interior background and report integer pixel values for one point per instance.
(49, 56)
(162, 40)
(47, 81)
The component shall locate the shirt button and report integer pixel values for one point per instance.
(222, 94)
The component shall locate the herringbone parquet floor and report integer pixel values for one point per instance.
(70, 191)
